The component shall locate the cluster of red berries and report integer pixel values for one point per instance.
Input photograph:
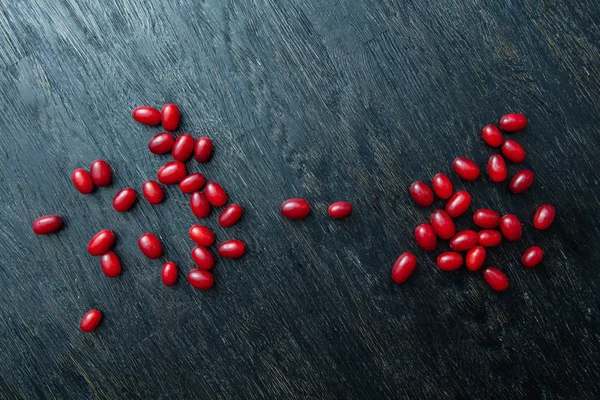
(475, 243)
(174, 172)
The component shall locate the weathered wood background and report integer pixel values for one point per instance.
(327, 100)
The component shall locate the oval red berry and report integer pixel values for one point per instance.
(102, 242)
(168, 274)
(513, 151)
(47, 224)
(200, 279)
(458, 204)
(511, 228)
(82, 181)
(153, 192)
(170, 116)
(442, 186)
(230, 215)
(192, 183)
(421, 194)
(544, 216)
(295, 208)
(521, 181)
(183, 147)
(486, 218)
(463, 240)
(171, 173)
(199, 205)
(202, 235)
(489, 238)
(403, 267)
(442, 224)
(110, 264)
(532, 256)
(203, 149)
(340, 209)
(146, 115)
(215, 194)
(449, 261)
(475, 258)
(425, 237)
(513, 122)
(124, 199)
(492, 135)
(101, 173)
(161, 143)
(496, 279)
(203, 258)
(496, 168)
(90, 320)
(150, 245)
(232, 249)
(465, 168)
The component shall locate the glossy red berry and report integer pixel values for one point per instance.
(544, 216)
(153, 192)
(200, 279)
(442, 186)
(425, 237)
(403, 267)
(339, 210)
(442, 224)
(102, 242)
(496, 168)
(449, 261)
(513, 122)
(492, 135)
(124, 199)
(458, 204)
(295, 208)
(82, 181)
(47, 224)
(202, 235)
(521, 181)
(171, 173)
(513, 151)
(199, 205)
(183, 147)
(150, 245)
(232, 249)
(215, 194)
(203, 258)
(489, 238)
(511, 227)
(203, 149)
(161, 143)
(146, 115)
(532, 257)
(486, 218)
(230, 215)
(110, 264)
(170, 116)
(101, 173)
(463, 240)
(168, 274)
(192, 183)
(496, 279)
(421, 194)
(475, 258)
(465, 168)
(90, 320)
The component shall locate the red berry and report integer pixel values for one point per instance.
(532, 257)
(202, 235)
(124, 199)
(168, 273)
(511, 227)
(146, 115)
(47, 224)
(183, 147)
(82, 181)
(153, 192)
(171, 173)
(340, 209)
(492, 135)
(199, 205)
(110, 264)
(200, 279)
(170, 116)
(101, 173)
(203, 258)
(232, 249)
(442, 224)
(544, 216)
(161, 143)
(465, 168)
(458, 204)
(421, 194)
(513, 151)
(295, 208)
(425, 236)
(192, 183)
(203, 149)
(475, 258)
(489, 238)
(496, 168)
(486, 218)
(521, 181)
(513, 122)
(102, 242)
(90, 320)
(403, 267)
(230, 215)
(150, 245)
(215, 194)
(496, 279)
(442, 186)
(449, 261)
(463, 240)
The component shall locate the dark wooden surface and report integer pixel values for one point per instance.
(321, 99)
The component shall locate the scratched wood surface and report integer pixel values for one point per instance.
(326, 100)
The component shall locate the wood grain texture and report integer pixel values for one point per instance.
(328, 100)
